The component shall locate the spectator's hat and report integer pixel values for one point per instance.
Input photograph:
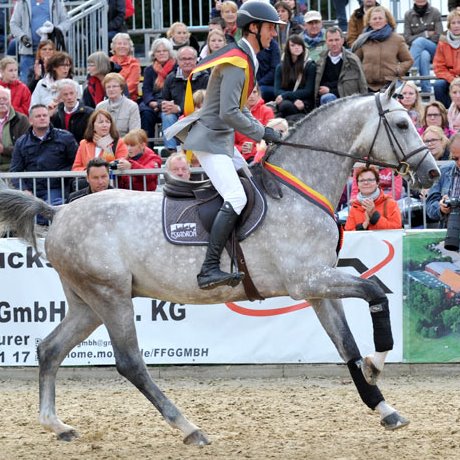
(312, 15)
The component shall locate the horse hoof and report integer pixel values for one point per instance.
(370, 371)
(197, 438)
(394, 421)
(68, 435)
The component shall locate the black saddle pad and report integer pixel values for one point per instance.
(182, 223)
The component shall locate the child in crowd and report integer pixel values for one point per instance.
(179, 36)
(20, 93)
(139, 157)
(412, 101)
(261, 112)
(215, 41)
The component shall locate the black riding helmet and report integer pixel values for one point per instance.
(257, 12)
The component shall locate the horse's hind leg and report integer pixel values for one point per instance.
(332, 317)
(79, 322)
(119, 320)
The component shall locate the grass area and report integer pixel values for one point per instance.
(416, 248)
(418, 349)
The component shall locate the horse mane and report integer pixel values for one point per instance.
(314, 114)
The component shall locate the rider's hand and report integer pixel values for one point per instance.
(271, 135)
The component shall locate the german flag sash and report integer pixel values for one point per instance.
(231, 54)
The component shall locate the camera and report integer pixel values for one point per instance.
(452, 242)
(26, 41)
(113, 164)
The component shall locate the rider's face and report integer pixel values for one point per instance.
(267, 32)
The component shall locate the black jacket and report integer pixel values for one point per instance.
(55, 152)
(78, 120)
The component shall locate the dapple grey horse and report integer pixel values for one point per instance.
(109, 247)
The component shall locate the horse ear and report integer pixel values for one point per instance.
(390, 90)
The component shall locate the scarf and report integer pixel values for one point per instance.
(421, 10)
(313, 41)
(106, 145)
(231, 30)
(373, 196)
(96, 90)
(372, 35)
(453, 40)
(162, 71)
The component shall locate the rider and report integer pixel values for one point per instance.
(209, 132)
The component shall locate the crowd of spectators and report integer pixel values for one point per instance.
(121, 108)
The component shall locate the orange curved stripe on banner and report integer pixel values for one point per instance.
(283, 310)
(270, 312)
(376, 268)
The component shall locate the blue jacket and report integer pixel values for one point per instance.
(268, 60)
(56, 152)
(441, 188)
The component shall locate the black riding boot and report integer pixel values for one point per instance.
(210, 275)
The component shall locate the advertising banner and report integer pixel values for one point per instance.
(431, 299)
(280, 330)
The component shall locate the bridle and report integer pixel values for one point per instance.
(402, 167)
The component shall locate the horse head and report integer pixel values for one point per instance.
(397, 144)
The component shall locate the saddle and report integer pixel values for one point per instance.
(189, 209)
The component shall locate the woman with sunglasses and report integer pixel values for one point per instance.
(372, 209)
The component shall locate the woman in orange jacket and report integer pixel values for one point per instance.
(372, 209)
(122, 48)
(446, 61)
(101, 139)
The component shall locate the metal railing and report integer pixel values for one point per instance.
(413, 210)
(87, 34)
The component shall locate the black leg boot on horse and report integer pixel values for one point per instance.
(211, 275)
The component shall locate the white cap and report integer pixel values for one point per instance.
(312, 15)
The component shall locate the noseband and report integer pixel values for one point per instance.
(402, 167)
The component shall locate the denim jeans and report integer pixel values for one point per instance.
(341, 13)
(26, 61)
(441, 92)
(328, 97)
(422, 50)
(166, 122)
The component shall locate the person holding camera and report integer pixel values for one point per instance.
(30, 23)
(443, 200)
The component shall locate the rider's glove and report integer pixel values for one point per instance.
(271, 135)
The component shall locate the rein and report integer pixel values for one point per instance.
(403, 168)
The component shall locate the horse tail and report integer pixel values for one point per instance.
(18, 210)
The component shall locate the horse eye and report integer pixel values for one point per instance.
(402, 124)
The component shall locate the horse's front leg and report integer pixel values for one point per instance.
(78, 324)
(331, 283)
(119, 321)
(332, 317)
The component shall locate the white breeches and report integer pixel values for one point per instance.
(221, 170)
